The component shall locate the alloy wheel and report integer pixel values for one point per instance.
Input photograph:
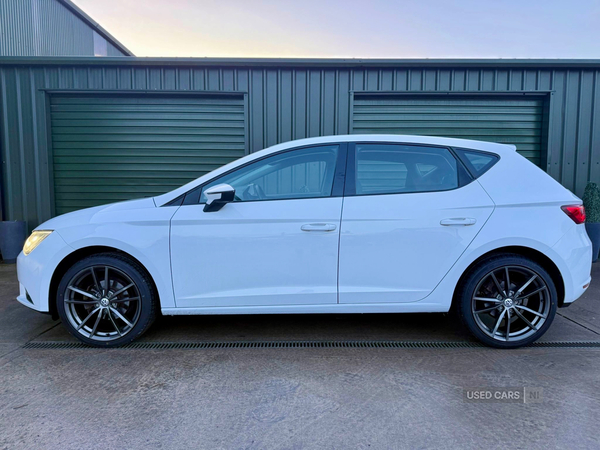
(511, 303)
(102, 303)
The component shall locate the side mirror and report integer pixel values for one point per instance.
(218, 196)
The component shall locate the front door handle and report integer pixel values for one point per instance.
(458, 221)
(318, 227)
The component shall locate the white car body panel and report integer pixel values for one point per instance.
(256, 254)
(136, 227)
(35, 270)
(524, 210)
(393, 248)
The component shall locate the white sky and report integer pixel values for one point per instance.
(353, 28)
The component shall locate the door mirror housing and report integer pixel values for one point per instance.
(218, 196)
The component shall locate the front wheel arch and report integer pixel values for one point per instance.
(77, 255)
(527, 252)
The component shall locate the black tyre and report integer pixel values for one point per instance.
(106, 300)
(507, 301)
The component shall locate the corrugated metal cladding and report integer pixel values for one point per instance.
(45, 28)
(516, 120)
(112, 148)
(295, 100)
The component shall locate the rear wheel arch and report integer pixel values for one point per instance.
(527, 252)
(68, 261)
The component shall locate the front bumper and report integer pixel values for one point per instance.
(35, 271)
(25, 299)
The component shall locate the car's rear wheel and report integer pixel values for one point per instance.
(507, 301)
(106, 300)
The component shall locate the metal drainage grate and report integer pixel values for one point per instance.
(302, 344)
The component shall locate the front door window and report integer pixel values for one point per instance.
(302, 173)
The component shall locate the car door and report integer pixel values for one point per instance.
(275, 244)
(409, 212)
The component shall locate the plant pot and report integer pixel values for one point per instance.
(12, 238)
(593, 231)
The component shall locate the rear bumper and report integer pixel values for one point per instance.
(575, 249)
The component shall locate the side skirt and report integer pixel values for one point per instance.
(417, 307)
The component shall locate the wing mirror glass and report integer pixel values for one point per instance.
(218, 196)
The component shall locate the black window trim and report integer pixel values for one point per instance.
(344, 182)
(192, 197)
(350, 189)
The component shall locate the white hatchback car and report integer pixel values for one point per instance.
(339, 224)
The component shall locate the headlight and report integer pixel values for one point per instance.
(34, 240)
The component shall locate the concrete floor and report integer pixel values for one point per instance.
(294, 398)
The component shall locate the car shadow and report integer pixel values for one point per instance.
(306, 327)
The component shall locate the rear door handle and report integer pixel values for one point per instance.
(458, 221)
(318, 227)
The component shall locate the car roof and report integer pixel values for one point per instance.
(398, 138)
(390, 138)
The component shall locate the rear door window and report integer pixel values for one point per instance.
(395, 169)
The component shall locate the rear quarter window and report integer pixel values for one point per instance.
(477, 162)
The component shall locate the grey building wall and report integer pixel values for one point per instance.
(50, 28)
(287, 100)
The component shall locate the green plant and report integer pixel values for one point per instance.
(591, 202)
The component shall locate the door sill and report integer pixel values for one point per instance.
(346, 308)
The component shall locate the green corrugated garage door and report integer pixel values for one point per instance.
(511, 121)
(108, 149)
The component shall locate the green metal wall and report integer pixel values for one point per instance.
(287, 100)
(112, 148)
(510, 120)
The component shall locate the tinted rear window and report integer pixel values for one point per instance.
(396, 169)
(478, 163)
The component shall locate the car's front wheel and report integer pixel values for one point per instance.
(507, 301)
(106, 300)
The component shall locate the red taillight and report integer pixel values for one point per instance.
(575, 212)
